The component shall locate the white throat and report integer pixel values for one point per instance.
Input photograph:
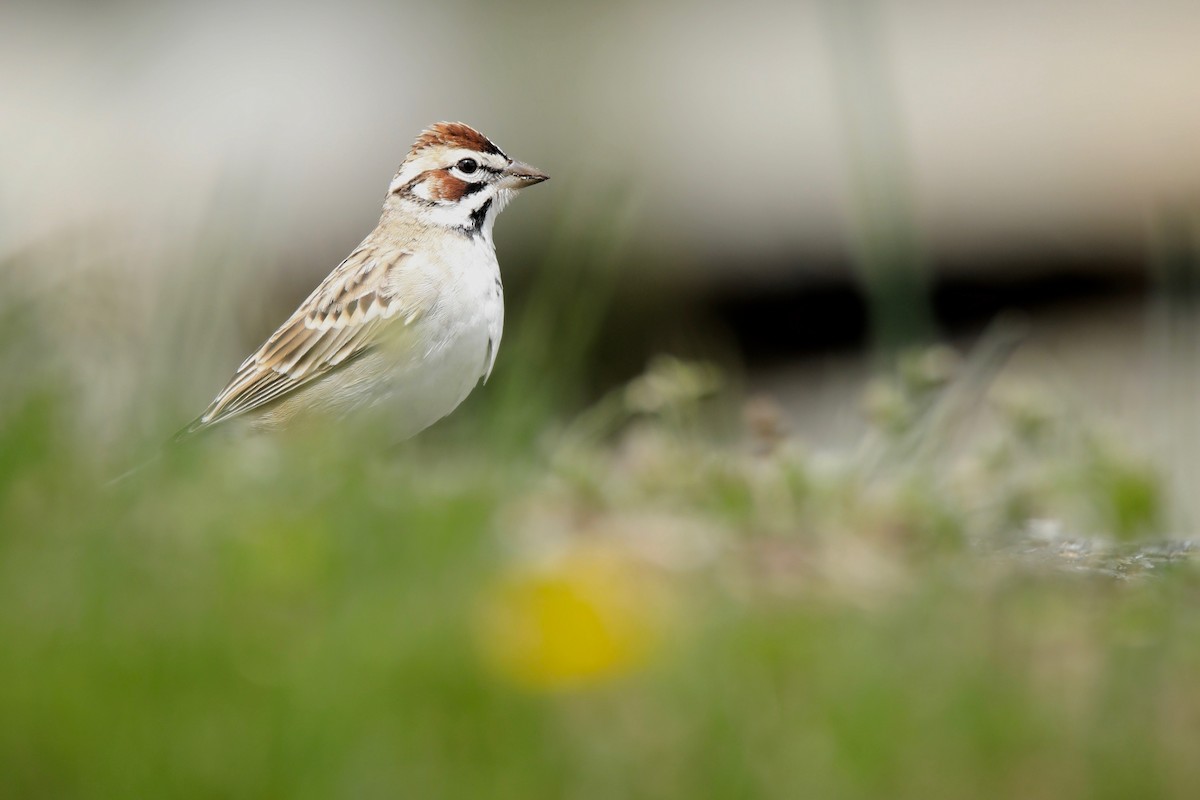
(473, 215)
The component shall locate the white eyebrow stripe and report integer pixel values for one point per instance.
(415, 166)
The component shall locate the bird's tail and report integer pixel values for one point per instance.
(134, 470)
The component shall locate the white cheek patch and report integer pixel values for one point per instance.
(421, 190)
(446, 216)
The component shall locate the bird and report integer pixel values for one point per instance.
(411, 320)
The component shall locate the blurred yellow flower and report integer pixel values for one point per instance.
(590, 615)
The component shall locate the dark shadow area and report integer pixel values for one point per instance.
(812, 317)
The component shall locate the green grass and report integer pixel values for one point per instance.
(316, 616)
(624, 601)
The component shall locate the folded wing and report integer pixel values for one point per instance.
(339, 321)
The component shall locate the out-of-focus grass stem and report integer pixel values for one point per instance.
(1174, 346)
(884, 237)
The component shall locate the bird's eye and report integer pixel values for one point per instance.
(467, 166)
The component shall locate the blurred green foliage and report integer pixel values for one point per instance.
(309, 616)
(534, 600)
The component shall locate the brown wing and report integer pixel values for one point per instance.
(341, 319)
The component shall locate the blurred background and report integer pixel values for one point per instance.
(843, 441)
(784, 181)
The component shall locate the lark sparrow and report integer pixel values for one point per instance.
(412, 317)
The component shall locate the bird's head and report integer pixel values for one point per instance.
(454, 176)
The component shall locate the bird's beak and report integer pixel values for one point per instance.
(518, 175)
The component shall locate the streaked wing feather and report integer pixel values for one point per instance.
(340, 320)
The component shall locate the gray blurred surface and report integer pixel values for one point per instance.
(1019, 126)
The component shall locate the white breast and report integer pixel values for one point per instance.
(455, 343)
